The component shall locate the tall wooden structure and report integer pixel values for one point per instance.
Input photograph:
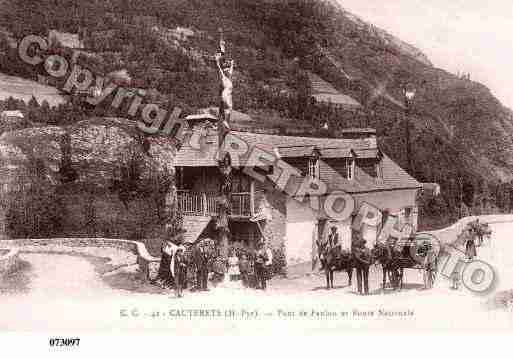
(224, 160)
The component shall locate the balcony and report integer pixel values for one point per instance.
(204, 203)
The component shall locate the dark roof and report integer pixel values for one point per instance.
(393, 178)
(331, 149)
(286, 146)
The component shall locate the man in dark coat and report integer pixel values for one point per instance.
(363, 261)
(260, 267)
(180, 271)
(202, 267)
(470, 247)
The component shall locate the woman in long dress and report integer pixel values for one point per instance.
(164, 277)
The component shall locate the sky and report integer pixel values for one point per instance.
(471, 36)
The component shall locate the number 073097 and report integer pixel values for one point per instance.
(64, 342)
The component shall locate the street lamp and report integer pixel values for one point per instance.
(460, 182)
(409, 95)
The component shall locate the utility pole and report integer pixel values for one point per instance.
(460, 181)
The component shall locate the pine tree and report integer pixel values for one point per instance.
(33, 110)
(90, 216)
(174, 223)
(66, 171)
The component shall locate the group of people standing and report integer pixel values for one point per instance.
(252, 267)
(176, 262)
(173, 267)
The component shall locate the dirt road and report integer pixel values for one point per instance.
(67, 293)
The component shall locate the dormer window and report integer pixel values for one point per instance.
(313, 165)
(350, 168)
(347, 168)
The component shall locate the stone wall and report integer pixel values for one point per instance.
(148, 265)
(8, 261)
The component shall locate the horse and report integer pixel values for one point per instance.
(394, 262)
(387, 257)
(335, 259)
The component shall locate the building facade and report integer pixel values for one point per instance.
(281, 216)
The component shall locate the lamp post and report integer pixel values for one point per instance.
(460, 182)
(409, 95)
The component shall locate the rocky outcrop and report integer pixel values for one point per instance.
(97, 202)
(97, 145)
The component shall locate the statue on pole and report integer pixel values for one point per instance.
(225, 68)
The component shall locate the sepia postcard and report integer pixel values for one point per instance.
(255, 166)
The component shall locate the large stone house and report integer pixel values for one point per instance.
(353, 164)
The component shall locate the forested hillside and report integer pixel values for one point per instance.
(462, 137)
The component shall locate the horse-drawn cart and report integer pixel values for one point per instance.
(419, 252)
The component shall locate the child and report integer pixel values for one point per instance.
(233, 266)
(244, 270)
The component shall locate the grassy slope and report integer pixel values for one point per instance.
(459, 128)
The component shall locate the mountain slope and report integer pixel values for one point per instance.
(459, 129)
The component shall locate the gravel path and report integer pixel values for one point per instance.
(64, 276)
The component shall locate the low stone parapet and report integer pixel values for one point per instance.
(8, 261)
